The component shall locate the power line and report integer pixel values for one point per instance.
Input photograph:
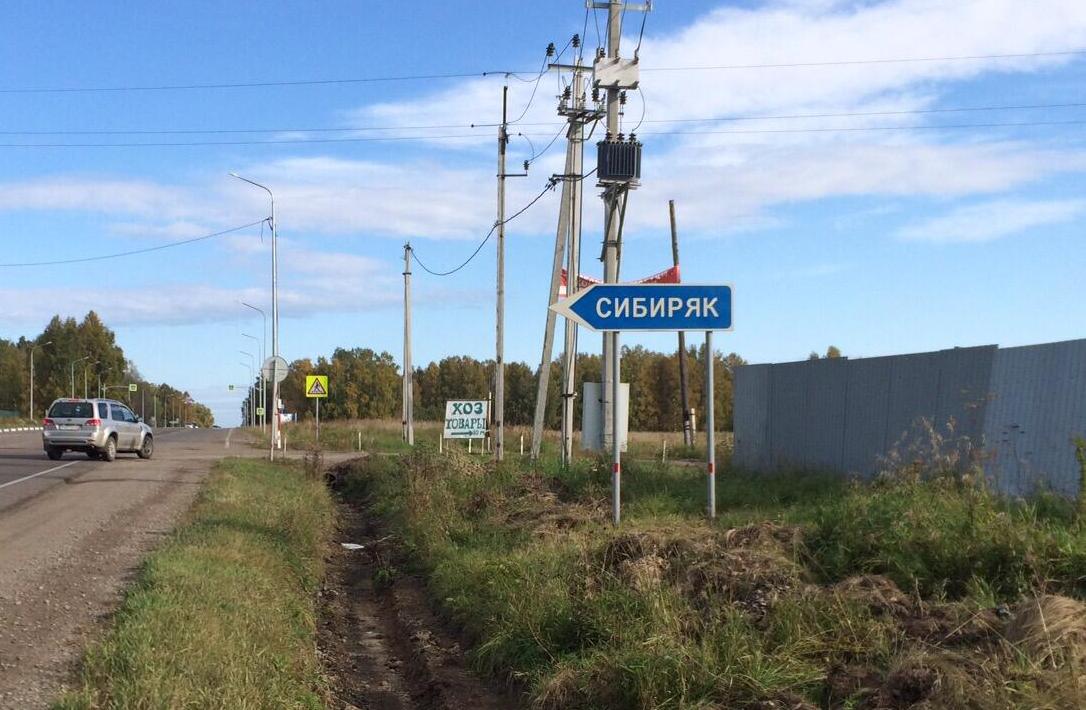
(549, 186)
(849, 62)
(321, 141)
(515, 74)
(135, 251)
(470, 126)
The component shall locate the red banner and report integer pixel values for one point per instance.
(667, 276)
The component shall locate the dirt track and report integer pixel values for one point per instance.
(383, 647)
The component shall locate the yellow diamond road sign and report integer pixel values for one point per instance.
(316, 386)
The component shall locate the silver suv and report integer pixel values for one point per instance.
(98, 427)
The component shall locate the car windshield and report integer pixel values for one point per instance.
(75, 410)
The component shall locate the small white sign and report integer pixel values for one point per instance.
(466, 419)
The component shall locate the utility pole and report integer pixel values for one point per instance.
(611, 199)
(572, 106)
(408, 371)
(499, 354)
(573, 264)
(32, 349)
(688, 424)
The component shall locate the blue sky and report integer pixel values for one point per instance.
(878, 241)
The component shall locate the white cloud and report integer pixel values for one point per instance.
(994, 219)
(722, 181)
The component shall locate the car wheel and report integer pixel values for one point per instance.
(148, 448)
(110, 452)
(54, 453)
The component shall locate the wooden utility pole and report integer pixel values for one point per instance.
(499, 354)
(408, 371)
(688, 424)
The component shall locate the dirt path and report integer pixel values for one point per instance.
(383, 647)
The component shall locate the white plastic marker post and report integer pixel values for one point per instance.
(616, 440)
(710, 425)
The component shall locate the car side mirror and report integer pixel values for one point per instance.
(139, 420)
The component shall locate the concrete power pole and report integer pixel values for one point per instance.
(573, 266)
(569, 225)
(499, 349)
(612, 199)
(408, 371)
(688, 423)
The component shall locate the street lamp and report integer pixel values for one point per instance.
(100, 373)
(252, 396)
(32, 349)
(262, 418)
(275, 312)
(73, 372)
(92, 364)
(263, 356)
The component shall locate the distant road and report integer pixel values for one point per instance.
(72, 532)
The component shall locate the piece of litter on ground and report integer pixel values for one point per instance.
(351, 546)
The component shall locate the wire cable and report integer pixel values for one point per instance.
(515, 74)
(850, 62)
(323, 141)
(147, 250)
(641, 34)
(549, 187)
(543, 70)
(451, 126)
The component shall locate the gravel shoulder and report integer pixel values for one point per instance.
(67, 552)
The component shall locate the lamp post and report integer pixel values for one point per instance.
(252, 391)
(101, 393)
(73, 372)
(261, 418)
(32, 349)
(91, 364)
(263, 357)
(275, 313)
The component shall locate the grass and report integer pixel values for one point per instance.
(384, 436)
(9, 423)
(807, 588)
(222, 615)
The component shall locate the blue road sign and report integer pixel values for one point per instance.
(663, 307)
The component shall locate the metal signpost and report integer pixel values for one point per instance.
(466, 419)
(613, 308)
(316, 387)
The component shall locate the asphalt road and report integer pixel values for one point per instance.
(72, 533)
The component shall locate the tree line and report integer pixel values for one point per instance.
(364, 384)
(71, 358)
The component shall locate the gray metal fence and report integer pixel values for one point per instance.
(1022, 406)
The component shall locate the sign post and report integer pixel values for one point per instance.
(316, 387)
(613, 308)
(466, 419)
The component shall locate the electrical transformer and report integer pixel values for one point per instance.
(619, 160)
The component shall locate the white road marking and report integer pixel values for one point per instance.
(228, 433)
(39, 473)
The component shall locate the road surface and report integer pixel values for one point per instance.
(72, 532)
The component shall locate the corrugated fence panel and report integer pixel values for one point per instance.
(868, 404)
(1025, 404)
(914, 390)
(1036, 411)
(788, 414)
(827, 393)
(965, 376)
(751, 416)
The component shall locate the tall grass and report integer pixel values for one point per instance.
(763, 606)
(222, 616)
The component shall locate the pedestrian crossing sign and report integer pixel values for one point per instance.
(316, 386)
